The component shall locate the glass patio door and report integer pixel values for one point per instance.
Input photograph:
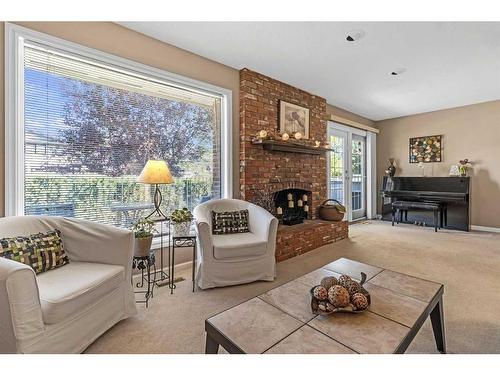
(338, 176)
(347, 169)
(358, 177)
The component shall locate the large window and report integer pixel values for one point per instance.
(89, 126)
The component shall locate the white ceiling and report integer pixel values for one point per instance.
(448, 64)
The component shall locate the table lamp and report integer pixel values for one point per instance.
(156, 172)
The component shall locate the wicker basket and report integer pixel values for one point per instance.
(330, 212)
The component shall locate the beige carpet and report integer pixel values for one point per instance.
(467, 263)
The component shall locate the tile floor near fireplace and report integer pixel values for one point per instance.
(299, 239)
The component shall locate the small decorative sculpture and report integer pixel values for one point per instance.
(391, 169)
(454, 171)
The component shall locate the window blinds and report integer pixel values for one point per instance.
(89, 128)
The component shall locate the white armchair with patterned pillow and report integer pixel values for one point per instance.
(236, 258)
(65, 309)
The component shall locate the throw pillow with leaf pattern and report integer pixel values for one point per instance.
(41, 251)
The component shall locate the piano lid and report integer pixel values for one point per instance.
(432, 184)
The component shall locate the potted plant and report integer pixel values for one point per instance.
(463, 167)
(143, 231)
(181, 219)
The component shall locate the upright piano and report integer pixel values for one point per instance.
(454, 192)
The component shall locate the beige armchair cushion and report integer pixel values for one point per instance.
(75, 287)
(238, 245)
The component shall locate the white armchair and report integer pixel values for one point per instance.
(64, 310)
(230, 259)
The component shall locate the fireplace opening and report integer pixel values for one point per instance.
(292, 206)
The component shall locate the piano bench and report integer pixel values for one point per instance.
(405, 206)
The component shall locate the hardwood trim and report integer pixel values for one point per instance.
(342, 120)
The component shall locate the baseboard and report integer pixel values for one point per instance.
(485, 229)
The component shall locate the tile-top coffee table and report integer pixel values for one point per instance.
(281, 321)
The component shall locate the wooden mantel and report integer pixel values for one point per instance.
(288, 146)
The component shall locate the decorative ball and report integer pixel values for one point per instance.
(329, 281)
(285, 137)
(352, 287)
(298, 136)
(320, 293)
(262, 134)
(338, 296)
(359, 301)
(343, 279)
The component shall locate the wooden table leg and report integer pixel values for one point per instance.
(211, 346)
(437, 320)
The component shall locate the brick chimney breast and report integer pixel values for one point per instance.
(266, 171)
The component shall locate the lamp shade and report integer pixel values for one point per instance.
(156, 172)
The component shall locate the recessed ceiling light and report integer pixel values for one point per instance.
(397, 72)
(354, 35)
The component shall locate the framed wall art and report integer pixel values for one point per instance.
(293, 119)
(426, 149)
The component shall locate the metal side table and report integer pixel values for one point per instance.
(144, 264)
(183, 241)
(165, 244)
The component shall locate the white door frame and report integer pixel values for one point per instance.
(364, 192)
(345, 166)
(371, 172)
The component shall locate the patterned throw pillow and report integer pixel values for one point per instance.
(41, 251)
(19, 249)
(229, 222)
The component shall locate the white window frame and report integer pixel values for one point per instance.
(14, 106)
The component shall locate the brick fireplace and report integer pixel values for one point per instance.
(263, 173)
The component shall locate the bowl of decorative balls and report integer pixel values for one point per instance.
(339, 295)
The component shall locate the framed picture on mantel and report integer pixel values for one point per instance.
(426, 149)
(293, 119)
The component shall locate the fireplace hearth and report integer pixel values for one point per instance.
(292, 205)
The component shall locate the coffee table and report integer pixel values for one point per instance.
(280, 321)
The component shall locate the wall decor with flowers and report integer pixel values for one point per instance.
(427, 149)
